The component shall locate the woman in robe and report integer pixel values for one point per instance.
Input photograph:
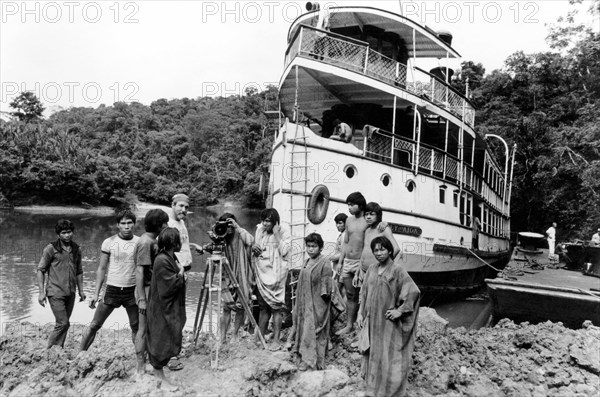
(166, 305)
(388, 316)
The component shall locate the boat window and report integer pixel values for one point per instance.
(443, 194)
(385, 179)
(350, 171)
(410, 185)
(455, 198)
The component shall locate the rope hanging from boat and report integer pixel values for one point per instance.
(476, 256)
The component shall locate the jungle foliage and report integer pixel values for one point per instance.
(548, 103)
(210, 148)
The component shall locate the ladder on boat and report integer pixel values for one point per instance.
(298, 186)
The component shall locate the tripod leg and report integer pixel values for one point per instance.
(204, 299)
(245, 304)
(198, 308)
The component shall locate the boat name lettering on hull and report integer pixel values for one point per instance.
(405, 229)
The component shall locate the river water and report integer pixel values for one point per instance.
(24, 235)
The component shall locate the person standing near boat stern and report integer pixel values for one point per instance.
(60, 267)
(271, 249)
(388, 315)
(596, 239)
(551, 233)
(313, 305)
(475, 229)
(238, 251)
(166, 304)
(146, 250)
(116, 257)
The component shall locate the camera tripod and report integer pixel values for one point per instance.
(216, 263)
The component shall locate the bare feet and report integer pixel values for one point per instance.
(164, 383)
(347, 329)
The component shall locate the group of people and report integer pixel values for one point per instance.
(147, 275)
(380, 297)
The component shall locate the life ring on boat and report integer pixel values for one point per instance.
(318, 204)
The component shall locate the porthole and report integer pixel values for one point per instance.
(411, 185)
(350, 171)
(385, 179)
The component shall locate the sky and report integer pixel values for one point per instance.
(87, 53)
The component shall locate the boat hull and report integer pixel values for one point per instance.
(544, 293)
(538, 303)
(456, 273)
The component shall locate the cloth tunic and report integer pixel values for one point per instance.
(238, 252)
(166, 311)
(312, 312)
(387, 362)
(272, 266)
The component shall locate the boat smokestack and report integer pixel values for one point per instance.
(445, 36)
(310, 6)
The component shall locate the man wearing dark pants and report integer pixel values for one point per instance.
(117, 254)
(146, 250)
(61, 266)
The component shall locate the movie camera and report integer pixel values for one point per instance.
(218, 233)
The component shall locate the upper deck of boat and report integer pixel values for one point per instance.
(367, 55)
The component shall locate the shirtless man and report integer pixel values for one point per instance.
(352, 249)
(373, 218)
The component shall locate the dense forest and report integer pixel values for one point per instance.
(548, 103)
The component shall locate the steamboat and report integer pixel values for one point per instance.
(413, 147)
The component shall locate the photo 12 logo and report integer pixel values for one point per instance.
(225, 89)
(71, 92)
(254, 12)
(471, 11)
(69, 11)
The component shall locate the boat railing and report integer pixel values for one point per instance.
(358, 56)
(401, 151)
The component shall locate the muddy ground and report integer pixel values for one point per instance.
(506, 360)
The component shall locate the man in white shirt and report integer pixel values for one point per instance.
(116, 257)
(177, 215)
(596, 239)
(551, 233)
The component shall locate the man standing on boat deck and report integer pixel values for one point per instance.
(475, 227)
(179, 208)
(116, 258)
(596, 239)
(551, 233)
(61, 266)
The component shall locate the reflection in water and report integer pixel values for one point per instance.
(24, 237)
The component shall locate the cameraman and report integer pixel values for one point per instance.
(237, 249)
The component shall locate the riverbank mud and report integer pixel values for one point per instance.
(506, 360)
